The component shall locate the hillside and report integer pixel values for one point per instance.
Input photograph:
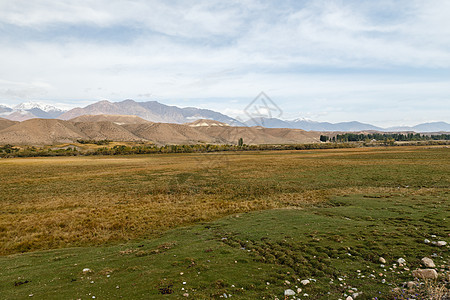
(118, 119)
(131, 128)
(40, 132)
(4, 123)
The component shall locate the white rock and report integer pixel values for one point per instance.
(401, 260)
(299, 290)
(426, 241)
(305, 281)
(383, 280)
(185, 295)
(428, 262)
(382, 260)
(425, 273)
(349, 298)
(289, 292)
(86, 270)
(441, 243)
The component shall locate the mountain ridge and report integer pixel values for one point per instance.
(155, 111)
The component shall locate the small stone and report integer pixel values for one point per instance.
(185, 295)
(410, 284)
(349, 298)
(117, 287)
(401, 260)
(382, 260)
(426, 241)
(383, 280)
(87, 270)
(428, 262)
(184, 282)
(299, 290)
(289, 292)
(425, 273)
(305, 281)
(441, 243)
(225, 295)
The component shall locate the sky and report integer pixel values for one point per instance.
(381, 62)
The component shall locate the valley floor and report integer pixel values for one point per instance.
(250, 225)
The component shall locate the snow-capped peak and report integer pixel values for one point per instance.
(4, 106)
(38, 105)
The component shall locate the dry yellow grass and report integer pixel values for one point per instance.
(59, 202)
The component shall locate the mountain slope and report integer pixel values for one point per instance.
(117, 119)
(105, 130)
(5, 123)
(151, 111)
(40, 132)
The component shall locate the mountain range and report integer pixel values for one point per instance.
(131, 128)
(157, 112)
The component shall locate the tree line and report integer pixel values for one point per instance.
(398, 137)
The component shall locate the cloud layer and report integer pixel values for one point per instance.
(385, 62)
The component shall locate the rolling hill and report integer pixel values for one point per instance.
(126, 128)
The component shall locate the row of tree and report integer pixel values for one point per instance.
(9, 151)
(354, 137)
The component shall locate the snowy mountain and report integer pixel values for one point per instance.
(4, 110)
(30, 110)
(37, 106)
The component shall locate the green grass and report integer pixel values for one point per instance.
(230, 222)
(240, 254)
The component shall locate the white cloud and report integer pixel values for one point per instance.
(361, 55)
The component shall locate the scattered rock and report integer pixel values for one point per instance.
(425, 273)
(305, 281)
(289, 292)
(401, 260)
(87, 270)
(426, 241)
(185, 295)
(349, 298)
(428, 262)
(382, 260)
(299, 290)
(441, 243)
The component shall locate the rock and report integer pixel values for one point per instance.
(426, 241)
(401, 260)
(185, 295)
(299, 290)
(428, 262)
(382, 260)
(425, 273)
(289, 292)
(87, 270)
(410, 284)
(349, 298)
(383, 280)
(441, 243)
(225, 295)
(305, 281)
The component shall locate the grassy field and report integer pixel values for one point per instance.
(292, 215)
